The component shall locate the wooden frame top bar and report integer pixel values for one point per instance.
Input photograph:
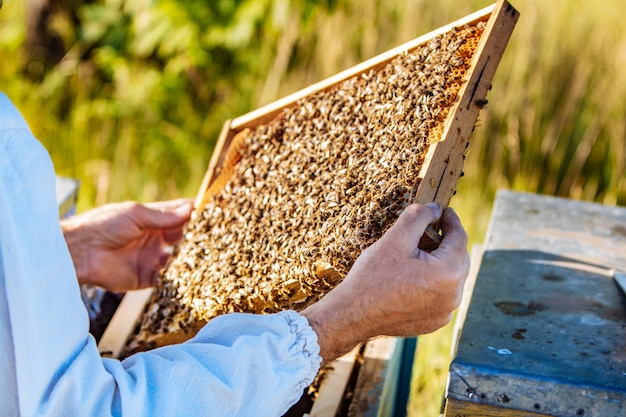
(270, 110)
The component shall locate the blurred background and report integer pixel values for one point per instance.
(129, 96)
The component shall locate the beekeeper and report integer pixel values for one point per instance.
(238, 364)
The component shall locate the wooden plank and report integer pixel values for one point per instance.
(368, 392)
(122, 324)
(382, 385)
(215, 164)
(468, 289)
(456, 408)
(332, 389)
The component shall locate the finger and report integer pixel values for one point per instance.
(149, 261)
(171, 236)
(454, 236)
(147, 216)
(412, 223)
(163, 260)
(169, 205)
(147, 279)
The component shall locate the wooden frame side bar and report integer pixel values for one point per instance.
(443, 163)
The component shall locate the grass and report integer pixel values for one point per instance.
(555, 123)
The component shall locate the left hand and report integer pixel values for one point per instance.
(122, 246)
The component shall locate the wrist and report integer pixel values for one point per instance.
(337, 326)
(78, 247)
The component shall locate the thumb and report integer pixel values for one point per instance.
(454, 242)
(163, 215)
(412, 223)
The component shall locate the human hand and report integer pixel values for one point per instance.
(394, 288)
(122, 246)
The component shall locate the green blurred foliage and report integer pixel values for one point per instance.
(144, 87)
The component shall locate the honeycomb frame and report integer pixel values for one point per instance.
(443, 161)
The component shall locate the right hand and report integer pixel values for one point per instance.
(394, 288)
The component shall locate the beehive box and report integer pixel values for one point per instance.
(543, 333)
(297, 189)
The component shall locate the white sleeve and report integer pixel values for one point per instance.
(237, 365)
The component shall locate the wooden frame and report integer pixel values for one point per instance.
(446, 157)
(438, 176)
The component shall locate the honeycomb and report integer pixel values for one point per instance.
(303, 195)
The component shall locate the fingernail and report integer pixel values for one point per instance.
(434, 205)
